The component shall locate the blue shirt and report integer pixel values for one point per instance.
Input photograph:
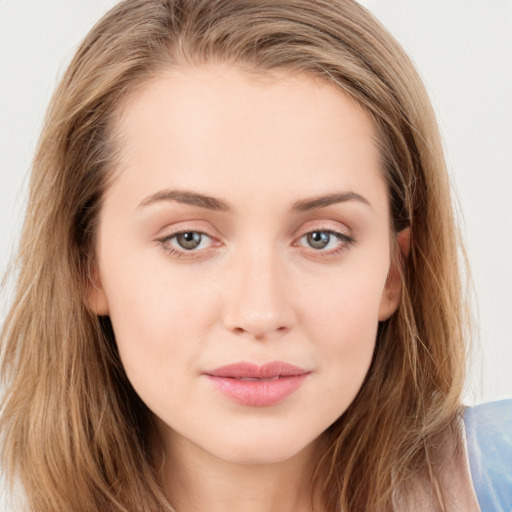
(489, 441)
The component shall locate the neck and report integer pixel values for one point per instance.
(197, 481)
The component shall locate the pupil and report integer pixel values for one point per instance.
(318, 239)
(189, 240)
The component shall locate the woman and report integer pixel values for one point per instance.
(238, 285)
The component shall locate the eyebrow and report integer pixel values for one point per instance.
(212, 203)
(185, 197)
(327, 200)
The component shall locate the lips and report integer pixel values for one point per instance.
(257, 386)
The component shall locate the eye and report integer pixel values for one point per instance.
(188, 241)
(324, 240)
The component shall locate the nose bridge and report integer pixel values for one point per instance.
(258, 302)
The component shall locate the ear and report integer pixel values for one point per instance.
(393, 289)
(96, 297)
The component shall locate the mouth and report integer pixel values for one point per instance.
(257, 386)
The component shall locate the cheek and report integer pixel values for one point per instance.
(160, 320)
(346, 309)
(160, 333)
(343, 322)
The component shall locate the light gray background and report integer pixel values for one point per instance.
(463, 49)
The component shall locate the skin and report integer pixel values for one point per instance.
(254, 289)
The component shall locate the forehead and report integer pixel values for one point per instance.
(218, 126)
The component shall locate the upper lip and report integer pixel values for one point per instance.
(254, 371)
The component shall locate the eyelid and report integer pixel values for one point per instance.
(345, 238)
(174, 230)
(326, 226)
(188, 226)
(195, 249)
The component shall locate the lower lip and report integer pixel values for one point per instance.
(258, 393)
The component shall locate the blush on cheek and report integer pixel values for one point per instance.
(345, 330)
(346, 309)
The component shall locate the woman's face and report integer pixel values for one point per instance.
(243, 255)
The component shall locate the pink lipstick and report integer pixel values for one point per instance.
(258, 386)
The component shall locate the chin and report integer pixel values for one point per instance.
(259, 450)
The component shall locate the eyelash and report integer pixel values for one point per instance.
(178, 253)
(344, 243)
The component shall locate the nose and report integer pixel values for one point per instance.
(257, 300)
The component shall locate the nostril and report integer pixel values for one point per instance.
(261, 334)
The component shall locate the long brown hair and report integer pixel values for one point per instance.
(74, 433)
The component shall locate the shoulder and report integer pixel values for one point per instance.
(489, 443)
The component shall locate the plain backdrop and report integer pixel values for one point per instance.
(463, 50)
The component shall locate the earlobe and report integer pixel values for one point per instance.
(96, 297)
(391, 295)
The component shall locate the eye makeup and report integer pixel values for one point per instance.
(319, 242)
